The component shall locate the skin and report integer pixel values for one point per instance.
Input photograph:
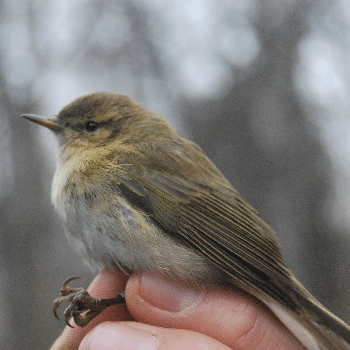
(153, 319)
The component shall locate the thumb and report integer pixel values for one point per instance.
(228, 315)
(133, 335)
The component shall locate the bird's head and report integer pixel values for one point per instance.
(104, 120)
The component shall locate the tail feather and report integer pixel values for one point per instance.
(312, 324)
(327, 327)
(322, 333)
(315, 327)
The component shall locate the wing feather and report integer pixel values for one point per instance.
(221, 226)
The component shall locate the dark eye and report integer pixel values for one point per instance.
(90, 127)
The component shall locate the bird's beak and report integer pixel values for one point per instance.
(48, 123)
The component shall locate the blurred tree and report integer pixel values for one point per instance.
(260, 137)
(224, 73)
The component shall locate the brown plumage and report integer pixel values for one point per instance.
(133, 193)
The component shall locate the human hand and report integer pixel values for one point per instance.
(171, 317)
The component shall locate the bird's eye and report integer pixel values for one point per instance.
(91, 127)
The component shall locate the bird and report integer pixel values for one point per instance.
(133, 194)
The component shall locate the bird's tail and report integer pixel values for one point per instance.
(315, 326)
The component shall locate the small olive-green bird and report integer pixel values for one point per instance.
(133, 193)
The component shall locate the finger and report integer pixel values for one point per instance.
(228, 315)
(132, 335)
(107, 284)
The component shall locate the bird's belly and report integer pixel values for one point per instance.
(118, 234)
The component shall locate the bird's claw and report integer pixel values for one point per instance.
(81, 301)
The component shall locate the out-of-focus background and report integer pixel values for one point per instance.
(262, 86)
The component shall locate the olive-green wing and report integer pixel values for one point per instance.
(218, 224)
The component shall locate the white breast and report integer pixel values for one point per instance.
(58, 184)
(108, 230)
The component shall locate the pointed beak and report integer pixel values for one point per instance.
(48, 123)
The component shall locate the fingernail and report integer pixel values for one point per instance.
(111, 336)
(168, 295)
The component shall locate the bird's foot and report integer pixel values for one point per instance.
(81, 301)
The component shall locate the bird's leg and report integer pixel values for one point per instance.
(81, 301)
